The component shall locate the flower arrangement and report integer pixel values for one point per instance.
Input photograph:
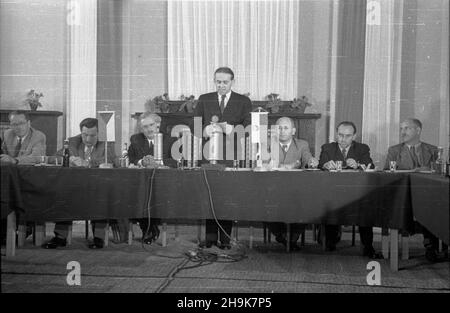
(300, 104)
(158, 104)
(274, 103)
(188, 105)
(33, 99)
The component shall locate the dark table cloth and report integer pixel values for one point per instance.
(430, 203)
(11, 199)
(368, 199)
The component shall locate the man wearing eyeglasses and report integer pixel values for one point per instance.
(22, 144)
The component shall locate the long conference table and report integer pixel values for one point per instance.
(387, 200)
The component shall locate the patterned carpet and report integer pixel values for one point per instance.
(266, 268)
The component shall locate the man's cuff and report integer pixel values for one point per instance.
(139, 162)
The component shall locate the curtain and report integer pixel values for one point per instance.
(382, 77)
(82, 21)
(258, 40)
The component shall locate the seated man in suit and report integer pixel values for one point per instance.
(293, 153)
(353, 156)
(141, 152)
(22, 144)
(225, 106)
(415, 154)
(85, 151)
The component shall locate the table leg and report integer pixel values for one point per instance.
(394, 249)
(69, 235)
(264, 233)
(11, 235)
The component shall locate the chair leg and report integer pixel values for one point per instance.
(302, 240)
(288, 235)
(69, 235)
(323, 237)
(353, 235)
(405, 247)
(164, 235)
(394, 249)
(251, 237)
(199, 231)
(177, 234)
(264, 233)
(236, 230)
(21, 234)
(385, 243)
(11, 235)
(86, 229)
(130, 233)
(39, 231)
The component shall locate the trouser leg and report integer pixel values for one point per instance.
(227, 226)
(331, 234)
(296, 230)
(211, 231)
(366, 235)
(429, 240)
(62, 229)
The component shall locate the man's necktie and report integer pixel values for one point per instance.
(414, 158)
(151, 147)
(285, 147)
(88, 153)
(222, 103)
(344, 153)
(18, 147)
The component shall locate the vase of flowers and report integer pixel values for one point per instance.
(33, 99)
(299, 105)
(274, 102)
(188, 105)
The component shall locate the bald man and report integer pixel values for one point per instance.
(293, 153)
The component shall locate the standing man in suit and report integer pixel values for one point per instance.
(353, 155)
(414, 154)
(233, 109)
(293, 153)
(85, 151)
(22, 144)
(141, 152)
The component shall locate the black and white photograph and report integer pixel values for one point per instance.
(224, 152)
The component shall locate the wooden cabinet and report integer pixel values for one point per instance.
(45, 121)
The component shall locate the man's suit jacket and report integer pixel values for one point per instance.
(76, 148)
(237, 111)
(139, 147)
(298, 151)
(400, 153)
(32, 148)
(360, 152)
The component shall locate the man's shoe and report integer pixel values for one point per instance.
(96, 244)
(431, 254)
(281, 239)
(225, 246)
(371, 253)
(54, 243)
(148, 240)
(330, 247)
(294, 247)
(207, 244)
